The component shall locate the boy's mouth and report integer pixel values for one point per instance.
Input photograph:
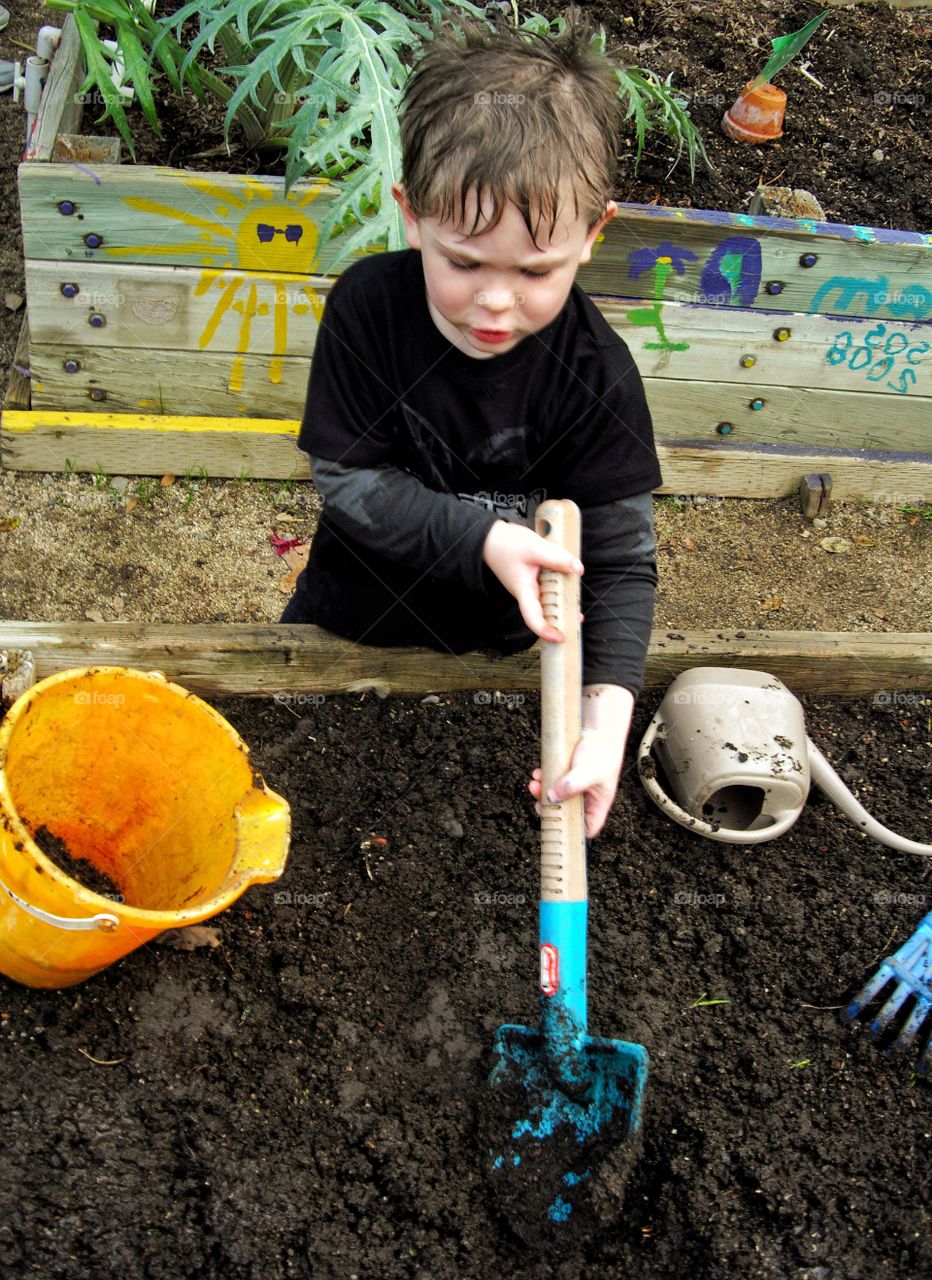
(492, 335)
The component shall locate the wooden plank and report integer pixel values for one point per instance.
(769, 472)
(741, 345)
(279, 659)
(186, 383)
(175, 308)
(733, 259)
(133, 380)
(277, 314)
(61, 108)
(179, 217)
(153, 444)
(148, 214)
(122, 444)
(19, 390)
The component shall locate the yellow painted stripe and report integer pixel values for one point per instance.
(22, 420)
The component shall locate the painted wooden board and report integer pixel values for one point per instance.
(133, 380)
(266, 449)
(741, 345)
(18, 392)
(246, 313)
(217, 660)
(185, 383)
(103, 304)
(148, 214)
(783, 264)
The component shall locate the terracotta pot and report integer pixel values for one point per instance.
(757, 115)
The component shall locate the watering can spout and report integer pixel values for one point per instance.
(263, 831)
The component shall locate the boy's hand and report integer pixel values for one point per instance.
(516, 554)
(597, 759)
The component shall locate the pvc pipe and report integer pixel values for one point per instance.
(47, 42)
(37, 70)
(822, 773)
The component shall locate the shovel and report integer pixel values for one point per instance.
(573, 1101)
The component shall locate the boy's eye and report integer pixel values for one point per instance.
(474, 266)
(463, 266)
(537, 275)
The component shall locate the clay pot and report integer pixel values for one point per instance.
(757, 114)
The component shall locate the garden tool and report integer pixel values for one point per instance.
(910, 970)
(732, 747)
(572, 1099)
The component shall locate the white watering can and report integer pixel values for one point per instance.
(732, 747)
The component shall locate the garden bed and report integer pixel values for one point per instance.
(302, 1100)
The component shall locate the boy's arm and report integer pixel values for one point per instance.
(389, 511)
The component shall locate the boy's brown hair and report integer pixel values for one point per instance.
(511, 115)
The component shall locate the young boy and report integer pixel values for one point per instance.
(456, 384)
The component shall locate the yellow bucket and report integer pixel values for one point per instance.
(152, 787)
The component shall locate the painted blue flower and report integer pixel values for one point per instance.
(646, 259)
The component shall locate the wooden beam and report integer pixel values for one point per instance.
(146, 214)
(293, 660)
(60, 108)
(266, 449)
(18, 393)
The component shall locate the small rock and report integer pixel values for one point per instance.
(453, 828)
(120, 483)
(877, 155)
(836, 545)
(431, 700)
(48, 479)
(13, 301)
(700, 499)
(819, 523)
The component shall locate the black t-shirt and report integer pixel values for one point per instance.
(563, 414)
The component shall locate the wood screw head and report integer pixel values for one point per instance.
(71, 366)
(96, 320)
(70, 289)
(757, 404)
(808, 259)
(93, 241)
(775, 286)
(725, 428)
(97, 393)
(781, 335)
(747, 362)
(66, 208)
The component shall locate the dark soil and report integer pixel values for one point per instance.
(86, 874)
(303, 1101)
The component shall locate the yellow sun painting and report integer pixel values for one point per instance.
(255, 230)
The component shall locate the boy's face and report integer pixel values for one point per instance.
(489, 291)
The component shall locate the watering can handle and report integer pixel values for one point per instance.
(103, 920)
(668, 805)
(563, 848)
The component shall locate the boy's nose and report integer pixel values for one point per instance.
(498, 299)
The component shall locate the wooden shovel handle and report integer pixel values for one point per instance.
(563, 847)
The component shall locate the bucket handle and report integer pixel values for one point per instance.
(104, 921)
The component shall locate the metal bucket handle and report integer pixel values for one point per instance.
(104, 921)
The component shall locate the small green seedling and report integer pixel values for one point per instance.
(785, 48)
(703, 1002)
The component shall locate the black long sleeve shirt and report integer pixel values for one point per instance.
(417, 449)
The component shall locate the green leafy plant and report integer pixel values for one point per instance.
(321, 81)
(785, 48)
(704, 1002)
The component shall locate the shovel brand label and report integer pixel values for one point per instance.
(549, 969)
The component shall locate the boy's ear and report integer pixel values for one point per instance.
(412, 223)
(610, 210)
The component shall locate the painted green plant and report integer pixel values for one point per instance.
(785, 48)
(320, 81)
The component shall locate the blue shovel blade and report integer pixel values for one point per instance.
(561, 1123)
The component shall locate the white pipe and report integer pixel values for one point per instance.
(822, 773)
(37, 70)
(47, 42)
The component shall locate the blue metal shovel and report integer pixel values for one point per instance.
(572, 1099)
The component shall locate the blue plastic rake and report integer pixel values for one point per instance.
(910, 969)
